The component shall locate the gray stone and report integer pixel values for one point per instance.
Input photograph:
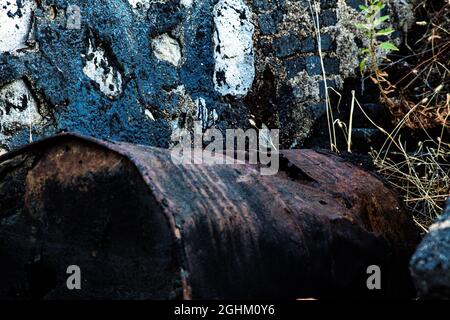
(327, 42)
(166, 48)
(313, 65)
(99, 69)
(264, 5)
(331, 65)
(318, 110)
(19, 110)
(294, 66)
(308, 45)
(328, 18)
(330, 84)
(233, 40)
(327, 3)
(15, 22)
(430, 265)
(265, 46)
(267, 23)
(287, 45)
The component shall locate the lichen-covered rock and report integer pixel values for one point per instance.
(167, 49)
(233, 42)
(15, 22)
(430, 265)
(98, 69)
(18, 109)
(139, 70)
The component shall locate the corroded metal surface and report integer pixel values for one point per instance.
(142, 227)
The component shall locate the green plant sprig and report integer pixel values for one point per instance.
(372, 30)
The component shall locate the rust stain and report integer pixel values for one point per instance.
(62, 165)
(233, 227)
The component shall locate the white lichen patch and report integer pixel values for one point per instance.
(234, 70)
(187, 3)
(149, 114)
(305, 86)
(184, 115)
(18, 109)
(136, 4)
(15, 24)
(167, 48)
(206, 117)
(99, 69)
(440, 225)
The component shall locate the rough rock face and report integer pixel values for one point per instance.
(18, 109)
(15, 21)
(139, 70)
(430, 265)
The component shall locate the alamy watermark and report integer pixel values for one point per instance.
(374, 280)
(74, 280)
(235, 146)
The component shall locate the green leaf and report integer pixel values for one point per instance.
(364, 50)
(385, 32)
(362, 7)
(362, 26)
(362, 66)
(376, 8)
(388, 46)
(373, 11)
(378, 21)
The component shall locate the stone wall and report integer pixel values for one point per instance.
(139, 70)
(430, 264)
